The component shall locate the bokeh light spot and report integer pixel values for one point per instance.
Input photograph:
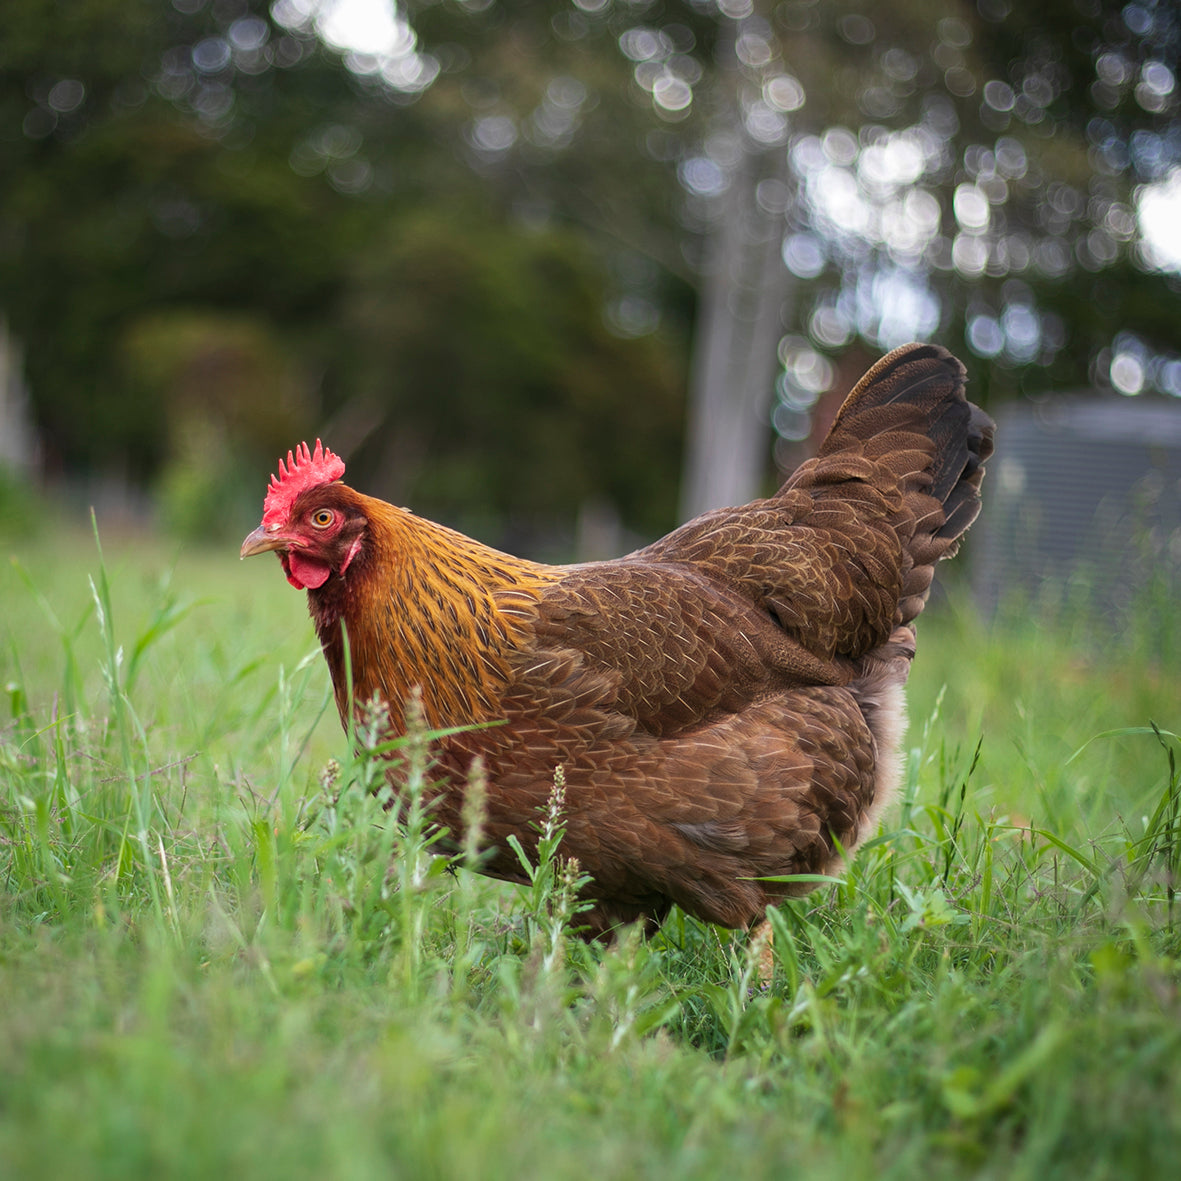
(1127, 374)
(804, 255)
(66, 96)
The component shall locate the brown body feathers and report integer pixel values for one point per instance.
(727, 703)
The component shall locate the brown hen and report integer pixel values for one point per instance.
(727, 703)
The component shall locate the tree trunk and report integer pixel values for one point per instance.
(744, 291)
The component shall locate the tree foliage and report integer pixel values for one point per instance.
(492, 382)
(476, 253)
(217, 235)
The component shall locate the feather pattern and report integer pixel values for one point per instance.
(726, 703)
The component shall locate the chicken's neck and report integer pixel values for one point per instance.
(424, 606)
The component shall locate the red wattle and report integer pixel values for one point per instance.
(304, 573)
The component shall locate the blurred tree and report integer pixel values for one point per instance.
(494, 385)
(928, 168)
(229, 398)
(809, 179)
(141, 171)
(196, 192)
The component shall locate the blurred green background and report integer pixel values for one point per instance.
(557, 273)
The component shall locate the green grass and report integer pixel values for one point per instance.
(218, 958)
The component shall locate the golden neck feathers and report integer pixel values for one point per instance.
(425, 607)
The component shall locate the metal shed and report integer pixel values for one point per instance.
(1084, 497)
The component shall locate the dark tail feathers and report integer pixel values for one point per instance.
(909, 415)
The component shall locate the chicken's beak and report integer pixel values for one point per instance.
(262, 540)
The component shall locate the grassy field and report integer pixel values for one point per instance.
(217, 959)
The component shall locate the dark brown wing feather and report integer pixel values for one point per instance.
(727, 703)
(697, 754)
(826, 571)
(675, 645)
(845, 552)
(691, 814)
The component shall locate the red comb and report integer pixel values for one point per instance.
(305, 469)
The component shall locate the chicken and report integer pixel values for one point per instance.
(726, 703)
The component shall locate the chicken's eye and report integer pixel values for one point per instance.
(322, 518)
